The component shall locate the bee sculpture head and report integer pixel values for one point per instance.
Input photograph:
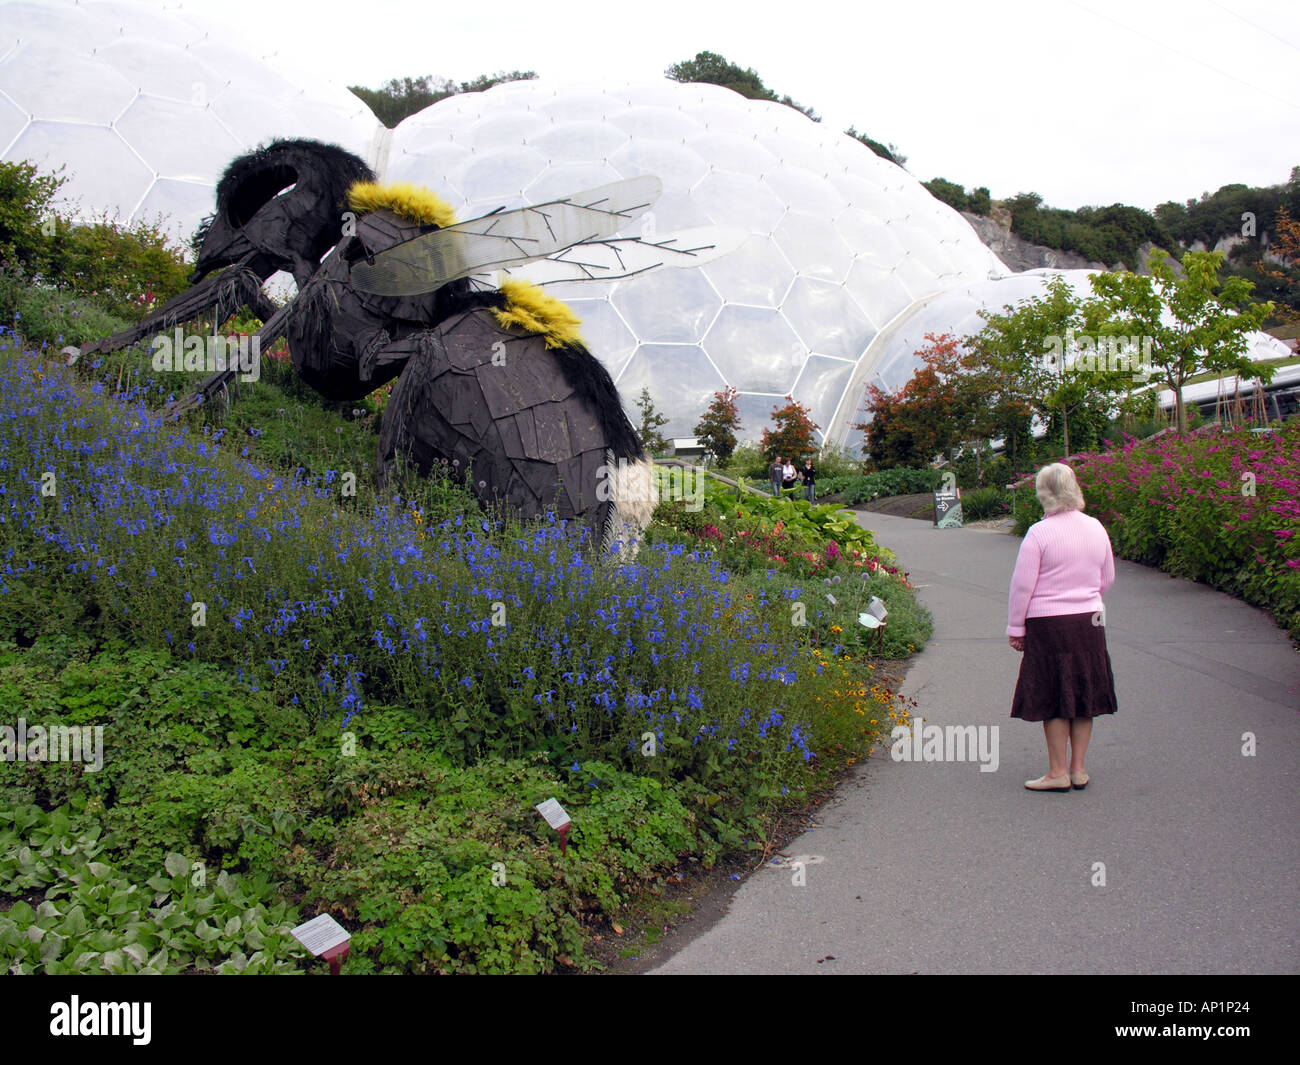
(280, 207)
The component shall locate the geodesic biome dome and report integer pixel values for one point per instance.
(841, 241)
(146, 107)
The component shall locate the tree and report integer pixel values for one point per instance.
(1286, 248)
(949, 192)
(25, 199)
(940, 406)
(1196, 323)
(717, 429)
(651, 421)
(713, 69)
(793, 435)
(1036, 352)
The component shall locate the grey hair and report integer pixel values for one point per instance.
(1058, 489)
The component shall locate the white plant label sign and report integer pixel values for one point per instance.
(554, 814)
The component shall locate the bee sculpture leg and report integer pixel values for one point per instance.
(495, 406)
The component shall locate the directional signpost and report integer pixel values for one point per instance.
(947, 507)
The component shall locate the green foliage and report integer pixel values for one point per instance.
(1222, 213)
(26, 196)
(48, 315)
(792, 434)
(979, 504)
(891, 152)
(1108, 235)
(71, 282)
(836, 461)
(977, 201)
(941, 405)
(899, 481)
(398, 98)
(470, 880)
(1196, 320)
(978, 467)
(749, 462)
(717, 429)
(1025, 507)
(202, 765)
(651, 422)
(949, 192)
(1027, 359)
(127, 269)
(713, 69)
(827, 564)
(95, 920)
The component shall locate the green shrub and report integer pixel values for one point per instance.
(92, 919)
(978, 504)
(862, 488)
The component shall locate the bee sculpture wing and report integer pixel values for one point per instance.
(612, 260)
(496, 240)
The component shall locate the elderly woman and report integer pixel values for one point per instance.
(1055, 617)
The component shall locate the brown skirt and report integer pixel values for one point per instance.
(1065, 671)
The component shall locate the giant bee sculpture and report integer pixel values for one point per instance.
(493, 381)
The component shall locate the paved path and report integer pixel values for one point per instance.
(940, 868)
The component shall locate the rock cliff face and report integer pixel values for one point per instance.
(1018, 254)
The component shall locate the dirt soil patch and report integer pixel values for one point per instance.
(920, 506)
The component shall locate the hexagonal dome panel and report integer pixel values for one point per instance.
(668, 306)
(681, 380)
(739, 200)
(174, 139)
(756, 349)
(812, 246)
(505, 172)
(758, 274)
(826, 318)
(100, 165)
(821, 387)
(879, 293)
(49, 84)
(605, 331)
(133, 98)
(675, 164)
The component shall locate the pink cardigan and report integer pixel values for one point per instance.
(1065, 566)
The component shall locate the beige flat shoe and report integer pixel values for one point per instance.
(1043, 784)
(1079, 780)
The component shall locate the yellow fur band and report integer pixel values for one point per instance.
(408, 201)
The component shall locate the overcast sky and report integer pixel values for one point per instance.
(1081, 101)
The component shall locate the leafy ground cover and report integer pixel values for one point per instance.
(323, 699)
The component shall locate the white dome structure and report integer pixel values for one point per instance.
(841, 243)
(849, 261)
(146, 107)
